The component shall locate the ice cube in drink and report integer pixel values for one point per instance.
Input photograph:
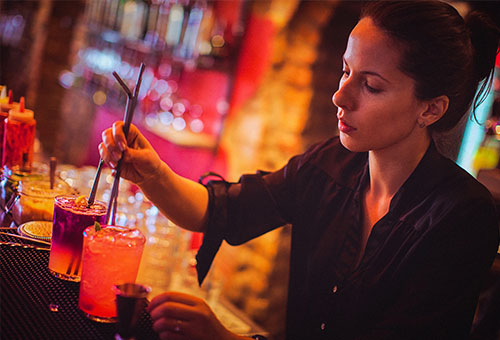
(111, 256)
(71, 217)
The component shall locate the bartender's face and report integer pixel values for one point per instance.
(377, 108)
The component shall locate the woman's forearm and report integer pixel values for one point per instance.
(182, 200)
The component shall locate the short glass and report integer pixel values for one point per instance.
(131, 299)
(36, 199)
(111, 256)
(70, 220)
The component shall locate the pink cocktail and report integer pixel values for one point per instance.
(111, 256)
(71, 217)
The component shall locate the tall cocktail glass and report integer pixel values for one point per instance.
(71, 217)
(111, 256)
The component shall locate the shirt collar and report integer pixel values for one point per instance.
(429, 172)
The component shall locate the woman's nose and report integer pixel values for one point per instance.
(341, 97)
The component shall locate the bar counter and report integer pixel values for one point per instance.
(36, 305)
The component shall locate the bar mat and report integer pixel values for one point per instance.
(36, 305)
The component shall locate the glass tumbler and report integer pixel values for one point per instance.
(111, 256)
(71, 217)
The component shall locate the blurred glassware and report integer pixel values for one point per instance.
(36, 198)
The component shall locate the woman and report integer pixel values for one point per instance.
(390, 240)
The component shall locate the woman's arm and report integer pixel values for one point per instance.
(183, 201)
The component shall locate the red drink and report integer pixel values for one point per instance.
(111, 256)
(71, 217)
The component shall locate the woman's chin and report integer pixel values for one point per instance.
(350, 144)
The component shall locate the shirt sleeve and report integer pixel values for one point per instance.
(239, 212)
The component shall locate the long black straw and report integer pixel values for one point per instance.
(93, 192)
(129, 112)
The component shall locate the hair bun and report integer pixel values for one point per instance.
(485, 37)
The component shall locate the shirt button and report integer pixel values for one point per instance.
(335, 289)
(323, 326)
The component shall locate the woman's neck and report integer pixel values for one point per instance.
(391, 167)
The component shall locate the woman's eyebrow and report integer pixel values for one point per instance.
(370, 73)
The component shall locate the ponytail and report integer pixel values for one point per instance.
(485, 38)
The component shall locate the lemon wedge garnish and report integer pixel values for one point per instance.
(81, 200)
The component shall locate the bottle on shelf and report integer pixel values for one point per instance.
(175, 24)
(153, 14)
(111, 14)
(133, 20)
(162, 24)
(204, 47)
(187, 48)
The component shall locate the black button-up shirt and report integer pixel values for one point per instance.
(424, 261)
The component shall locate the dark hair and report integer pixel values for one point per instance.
(442, 52)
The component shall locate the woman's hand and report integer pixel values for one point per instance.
(179, 316)
(140, 161)
(183, 201)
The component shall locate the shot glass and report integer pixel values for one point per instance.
(130, 303)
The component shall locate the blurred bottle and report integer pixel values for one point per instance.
(187, 49)
(162, 23)
(175, 22)
(111, 14)
(153, 13)
(204, 46)
(133, 20)
(96, 12)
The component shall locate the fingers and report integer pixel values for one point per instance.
(113, 144)
(170, 319)
(134, 138)
(176, 314)
(108, 149)
(175, 297)
(174, 310)
(169, 325)
(119, 136)
(173, 327)
(106, 155)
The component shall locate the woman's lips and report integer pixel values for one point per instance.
(344, 127)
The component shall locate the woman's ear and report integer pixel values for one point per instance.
(436, 108)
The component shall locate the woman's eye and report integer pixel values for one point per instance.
(372, 89)
(346, 73)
